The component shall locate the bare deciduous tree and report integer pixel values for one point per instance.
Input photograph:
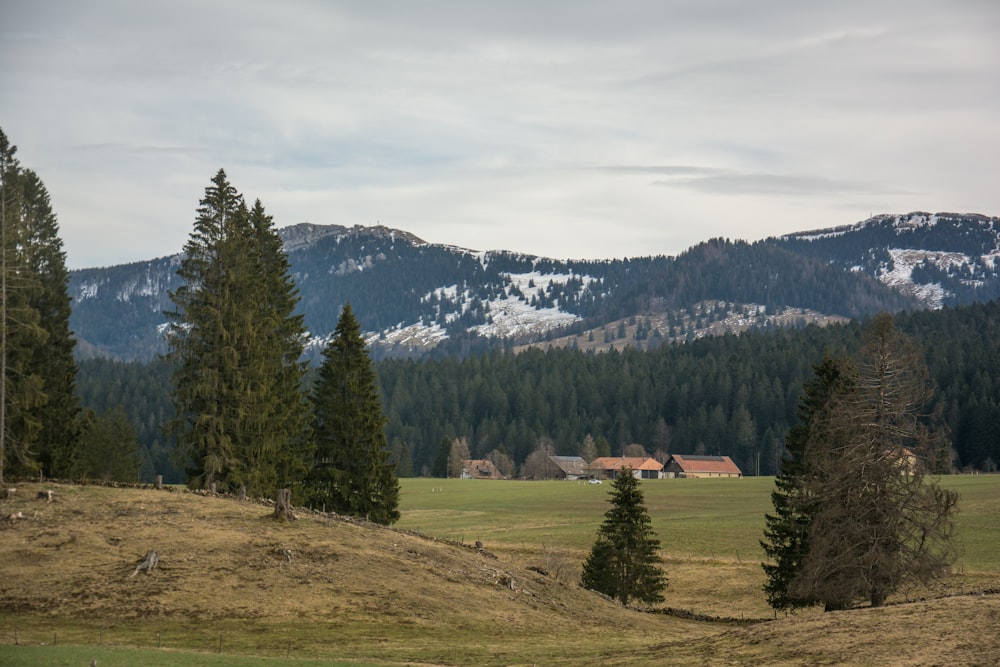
(879, 522)
(457, 456)
(538, 465)
(503, 463)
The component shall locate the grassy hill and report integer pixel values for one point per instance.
(232, 580)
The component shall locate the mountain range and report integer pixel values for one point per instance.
(414, 298)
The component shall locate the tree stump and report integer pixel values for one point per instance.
(148, 564)
(242, 493)
(283, 506)
(158, 483)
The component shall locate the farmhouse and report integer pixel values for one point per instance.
(700, 466)
(569, 467)
(905, 460)
(480, 469)
(643, 467)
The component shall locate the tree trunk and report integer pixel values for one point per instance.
(283, 506)
(148, 564)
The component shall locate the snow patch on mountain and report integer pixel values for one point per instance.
(414, 335)
(901, 275)
(533, 281)
(914, 221)
(511, 317)
(815, 236)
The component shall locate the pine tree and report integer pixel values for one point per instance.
(109, 450)
(201, 339)
(624, 562)
(38, 429)
(787, 530)
(46, 261)
(235, 344)
(352, 474)
(277, 446)
(440, 468)
(20, 387)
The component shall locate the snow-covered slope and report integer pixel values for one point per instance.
(939, 258)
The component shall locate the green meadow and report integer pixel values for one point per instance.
(709, 529)
(694, 518)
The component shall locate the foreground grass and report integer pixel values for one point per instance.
(236, 588)
(76, 656)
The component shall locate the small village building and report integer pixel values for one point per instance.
(643, 467)
(569, 467)
(480, 469)
(692, 466)
(905, 460)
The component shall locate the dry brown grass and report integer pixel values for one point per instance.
(361, 590)
(339, 588)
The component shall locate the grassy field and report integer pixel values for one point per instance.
(234, 587)
(705, 527)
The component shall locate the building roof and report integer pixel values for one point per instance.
(571, 465)
(480, 469)
(618, 462)
(705, 464)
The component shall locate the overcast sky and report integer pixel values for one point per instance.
(565, 128)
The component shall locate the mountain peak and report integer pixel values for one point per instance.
(306, 234)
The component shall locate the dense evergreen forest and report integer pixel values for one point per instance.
(733, 395)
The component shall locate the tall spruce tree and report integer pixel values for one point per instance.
(352, 473)
(20, 386)
(45, 259)
(235, 345)
(283, 442)
(38, 419)
(786, 531)
(624, 562)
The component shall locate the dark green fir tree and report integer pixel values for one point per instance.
(45, 259)
(353, 474)
(39, 418)
(786, 532)
(109, 450)
(235, 344)
(624, 562)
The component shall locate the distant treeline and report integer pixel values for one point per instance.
(732, 395)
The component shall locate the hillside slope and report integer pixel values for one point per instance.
(223, 562)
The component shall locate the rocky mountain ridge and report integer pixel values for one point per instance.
(415, 298)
